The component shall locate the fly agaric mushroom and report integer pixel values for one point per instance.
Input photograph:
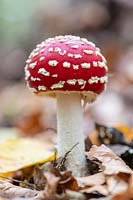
(69, 68)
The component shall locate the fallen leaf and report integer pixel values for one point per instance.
(114, 170)
(126, 195)
(8, 190)
(68, 181)
(127, 132)
(96, 179)
(111, 164)
(50, 191)
(123, 151)
(116, 185)
(19, 153)
(93, 183)
(39, 179)
(101, 189)
(51, 183)
(65, 178)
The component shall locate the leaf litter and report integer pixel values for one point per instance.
(38, 176)
(113, 179)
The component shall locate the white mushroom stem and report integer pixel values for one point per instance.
(70, 132)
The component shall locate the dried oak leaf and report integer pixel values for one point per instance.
(117, 173)
(65, 178)
(96, 179)
(68, 181)
(101, 189)
(111, 164)
(39, 178)
(9, 191)
(116, 185)
(51, 183)
(51, 186)
(93, 183)
(126, 195)
(125, 152)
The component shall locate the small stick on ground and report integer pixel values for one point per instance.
(62, 160)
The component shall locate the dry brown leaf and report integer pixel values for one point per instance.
(102, 189)
(39, 179)
(7, 190)
(11, 192)
(93, 183)
(68, 181)
(130, 188)
(65, 178)
(51, 187)
(40, 176)
(116, 185)
(115, 172)
(111, 164)
(128, 194)
(51, 184)
(96, 179)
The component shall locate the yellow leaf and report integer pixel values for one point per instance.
(17, 153)
(127, 132)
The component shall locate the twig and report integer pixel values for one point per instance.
(61, 163)
(32, 186)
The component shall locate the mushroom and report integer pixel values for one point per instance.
(71, 69)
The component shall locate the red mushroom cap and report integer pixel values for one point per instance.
(66, 64)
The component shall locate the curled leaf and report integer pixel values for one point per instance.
(110, 163)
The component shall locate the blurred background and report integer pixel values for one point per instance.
(23, 24)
